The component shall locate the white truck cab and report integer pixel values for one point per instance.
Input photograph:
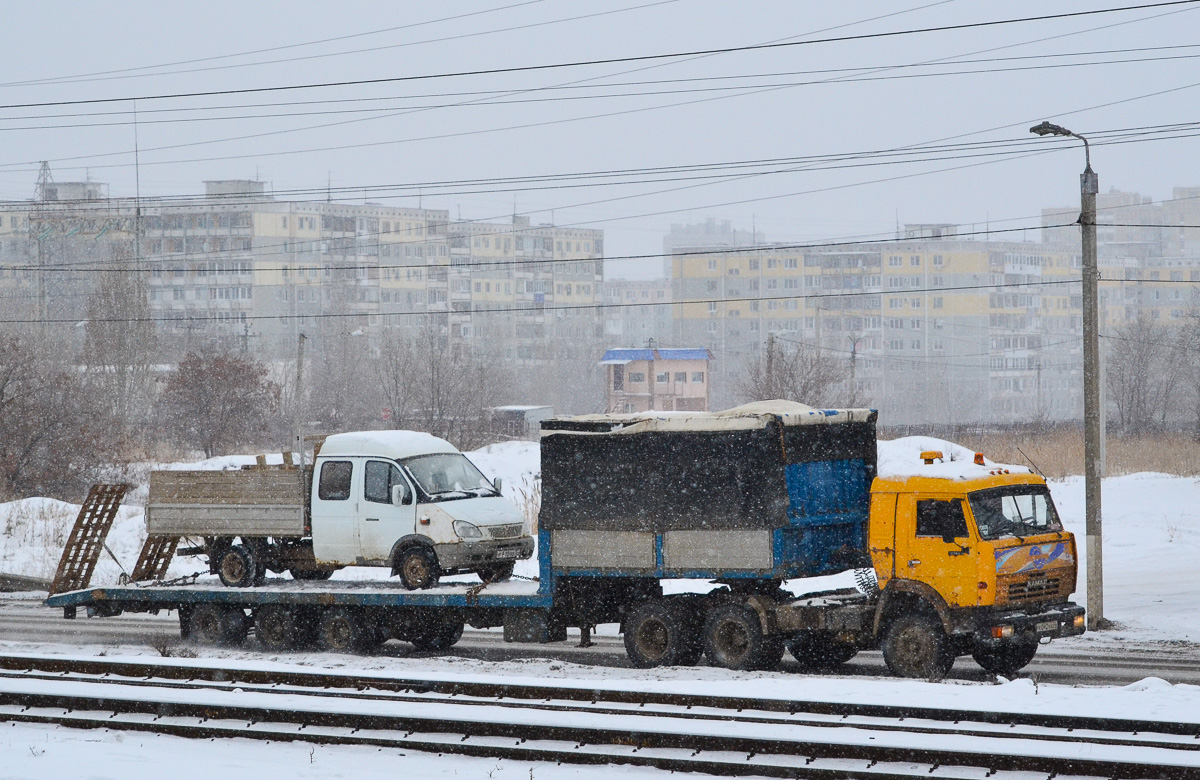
(411, 501)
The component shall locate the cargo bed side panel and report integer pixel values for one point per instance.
(251, 502)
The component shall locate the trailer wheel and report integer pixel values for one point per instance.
(660, 632)
(497, 572)
(277, 628)
(816, 653)
(1007, 658)
(734, 639)
(237, 567)
(916, 646)
(342, 630)
(212, 624)
(440, 635)
(417, 567)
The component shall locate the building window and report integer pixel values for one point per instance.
(712, 264)
(637, 377)
(680, 377)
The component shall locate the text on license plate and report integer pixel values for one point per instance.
(1047, 626)
(513, 554)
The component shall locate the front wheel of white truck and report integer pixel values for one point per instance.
(417, 567)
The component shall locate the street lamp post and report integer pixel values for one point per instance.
(854, 369)
(1089, 185)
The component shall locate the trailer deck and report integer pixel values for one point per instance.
(523, 594)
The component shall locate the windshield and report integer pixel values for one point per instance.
(448, 475)
(1018, 510)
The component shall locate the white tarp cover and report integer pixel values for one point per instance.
(746, 417)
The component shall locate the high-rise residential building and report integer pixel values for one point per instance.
(237, 262)
(933, 330)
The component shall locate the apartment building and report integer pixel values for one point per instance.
(238, 262)
(931, 335)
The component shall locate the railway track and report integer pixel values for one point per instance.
(679, 732)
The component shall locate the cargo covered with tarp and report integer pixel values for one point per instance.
(764, 467)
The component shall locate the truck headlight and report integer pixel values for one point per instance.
(467, 530)
(1079, 621)
(1002, 632)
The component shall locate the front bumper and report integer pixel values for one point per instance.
(1060, 620)
(471, 555)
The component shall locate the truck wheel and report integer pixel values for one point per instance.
(418, 568)
(342, 630)
(916, 646)
(276, 628)
(441, 635)
(817, 653)
(661, 633)
(237, 567)
(497, 572)
(1007, 658)
(211, 624)
(733, 638)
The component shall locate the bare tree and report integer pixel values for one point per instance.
(437, 387)
(792, 371)
(215, 399)
(121, 343)
(52, 440)
(1143, 369)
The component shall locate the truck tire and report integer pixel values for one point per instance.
(213, 624)
(916, 646)
(342, 630)
(277, 628)
(497, 572)
(734, 639)
(417, 567)
(662, 632)
(1007, 658)
(816, 653)
(438, 635)
(237, 567)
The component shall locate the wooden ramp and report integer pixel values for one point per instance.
(156, 556)
(83, 547)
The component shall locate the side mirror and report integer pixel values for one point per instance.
(498, 484)
(401, 495)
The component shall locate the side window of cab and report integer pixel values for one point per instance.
(943, 519)
(334, 484)
(379, 479)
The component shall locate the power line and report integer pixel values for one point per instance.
(553, 308)
(609, 60)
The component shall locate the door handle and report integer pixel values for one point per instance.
(914, 562)
(963, 551)
(372, 519)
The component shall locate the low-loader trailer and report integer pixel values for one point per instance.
(953, 559)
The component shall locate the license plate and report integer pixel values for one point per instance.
(1047, 626)
(507, 553)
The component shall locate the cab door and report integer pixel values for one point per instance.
(335, 510)
(383, 522)
(934, 545)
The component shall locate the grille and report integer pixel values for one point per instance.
(505, 531)
(1033, 588)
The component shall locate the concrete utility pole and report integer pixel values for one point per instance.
(1089, 185)
(771, 366)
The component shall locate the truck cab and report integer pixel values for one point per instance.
(986, 551)
(413, 502)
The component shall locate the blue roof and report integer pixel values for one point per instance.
(656, 354)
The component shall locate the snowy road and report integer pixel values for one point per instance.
(1088, 660)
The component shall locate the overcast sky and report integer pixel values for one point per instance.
(981, 86)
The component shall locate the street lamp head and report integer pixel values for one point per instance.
(1046, 128)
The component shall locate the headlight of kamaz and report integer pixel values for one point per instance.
(467, 530)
